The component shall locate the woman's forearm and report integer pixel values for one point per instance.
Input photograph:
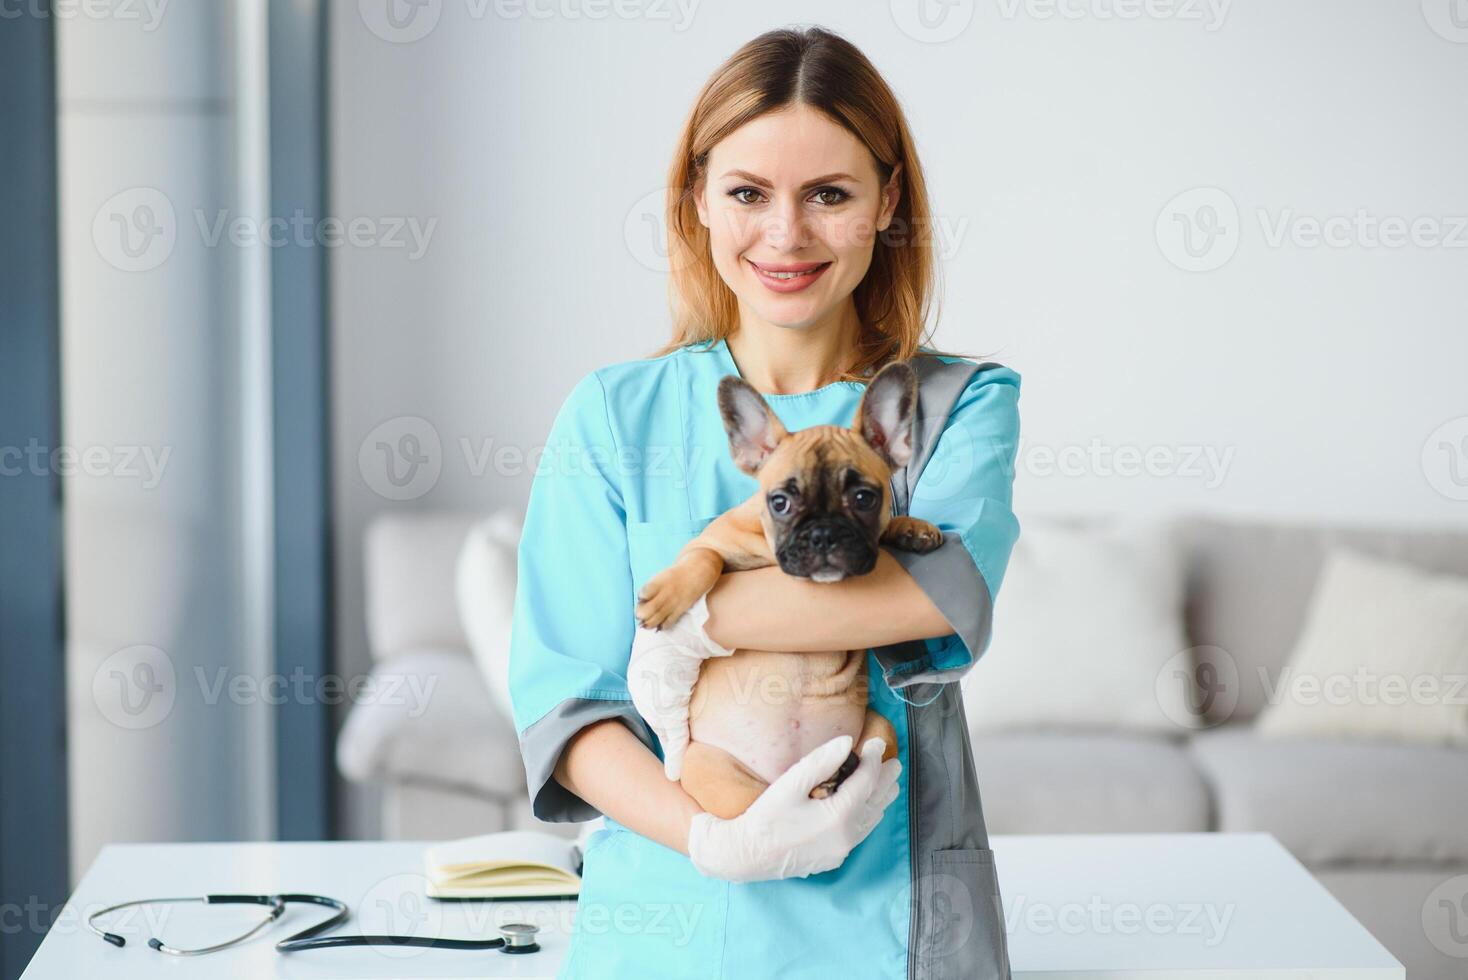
(609, 767)
(760, 609)
(765, 609)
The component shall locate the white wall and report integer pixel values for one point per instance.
(1056, 140)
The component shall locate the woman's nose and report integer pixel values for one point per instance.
(785, 226)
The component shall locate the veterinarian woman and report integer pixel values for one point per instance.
(798, 228)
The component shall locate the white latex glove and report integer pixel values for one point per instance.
(661, 674)
(785, 833)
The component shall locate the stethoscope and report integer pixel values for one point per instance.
(515, 937)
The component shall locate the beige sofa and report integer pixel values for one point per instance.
(1380, 824)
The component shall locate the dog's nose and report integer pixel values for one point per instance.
(820, 537)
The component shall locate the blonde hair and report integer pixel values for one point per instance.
(812, 67)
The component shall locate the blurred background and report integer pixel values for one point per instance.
(292, 291)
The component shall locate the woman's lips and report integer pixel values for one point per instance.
(794, 276)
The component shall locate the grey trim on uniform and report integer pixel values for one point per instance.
(948, 575)
(957, 927)
(953, 583)
(956, 931)
(939, 385)
(541, 745)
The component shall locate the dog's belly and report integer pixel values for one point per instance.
(769, 709)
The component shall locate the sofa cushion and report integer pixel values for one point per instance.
(484, 584)
(1384, 654)
(1340, 801)
(1249, 587)
(1091, 620)
(1087, 782)
(427, 719)
(409, 576)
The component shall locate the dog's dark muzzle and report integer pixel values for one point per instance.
(826, 550)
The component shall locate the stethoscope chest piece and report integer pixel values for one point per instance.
(519, 937)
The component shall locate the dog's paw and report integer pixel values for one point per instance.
(911, 534)
(661, 601)
(825, 788)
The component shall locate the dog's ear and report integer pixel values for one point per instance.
(753, 429)
(885, 416)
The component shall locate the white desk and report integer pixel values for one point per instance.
(1120, 907)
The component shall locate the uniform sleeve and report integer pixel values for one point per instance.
(966, 489)
(571, 635)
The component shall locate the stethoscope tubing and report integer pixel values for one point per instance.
(426, 942)
(276, 904)
(308, 938)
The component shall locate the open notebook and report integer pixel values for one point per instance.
(508, 864)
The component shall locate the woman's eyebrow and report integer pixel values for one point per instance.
(760, 181)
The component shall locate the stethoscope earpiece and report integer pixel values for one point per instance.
(276, 904)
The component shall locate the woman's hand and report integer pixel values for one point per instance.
(785, 833)
(661, 674)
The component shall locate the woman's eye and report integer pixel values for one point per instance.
(865, 499)
(779, 503)
(828, 196)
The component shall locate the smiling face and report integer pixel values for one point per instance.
(793, 203)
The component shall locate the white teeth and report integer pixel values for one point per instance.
(790, 275)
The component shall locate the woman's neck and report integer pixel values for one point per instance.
(791, 360)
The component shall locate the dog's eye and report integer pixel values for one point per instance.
(865, 499)
(779, 503)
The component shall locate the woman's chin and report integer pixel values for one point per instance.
(791, 316)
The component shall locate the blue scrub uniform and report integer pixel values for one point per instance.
(636, 464)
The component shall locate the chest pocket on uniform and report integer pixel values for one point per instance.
(653, 545)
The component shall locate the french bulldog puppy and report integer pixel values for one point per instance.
(821, 511)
